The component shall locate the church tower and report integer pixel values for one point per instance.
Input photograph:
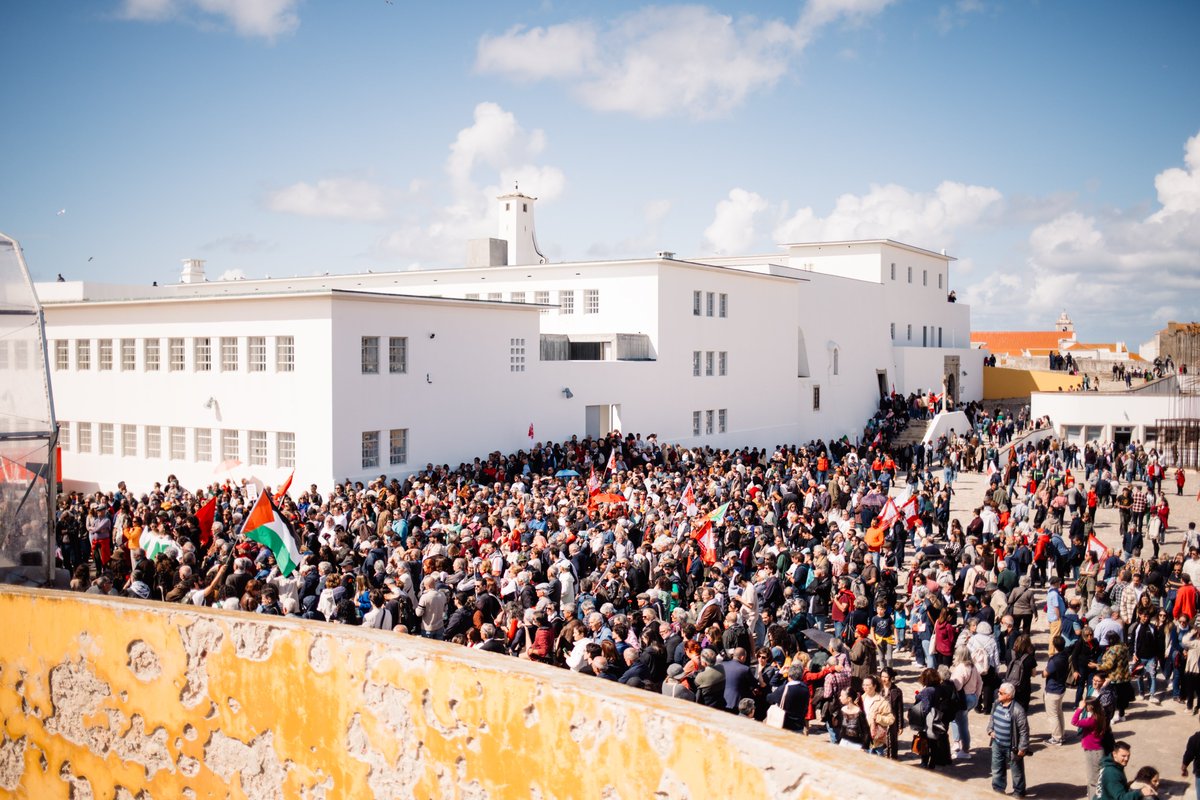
(1065, 326)
(516, 227)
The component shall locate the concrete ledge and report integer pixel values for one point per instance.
(107, 697)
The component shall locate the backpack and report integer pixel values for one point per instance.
(979, 658)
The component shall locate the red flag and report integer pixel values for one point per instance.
(283, 490)
(531, 431)
(593, 483)
(205, 517)
(612, 461)
(707, 540)
(688, 499)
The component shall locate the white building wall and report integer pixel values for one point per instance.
(1102, 413)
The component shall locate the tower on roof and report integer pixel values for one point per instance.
(516, 227)
(1065, 325)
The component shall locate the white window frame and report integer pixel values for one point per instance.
(398, 355)
(177, 443)
(285, 353)
(230, 445)
(152, 355)
(256, 354)
(709, 303)
(722, 420)
(83, 354)
(176, 354)
(542, 298)
(709, 422)
(697, 302)
(591, 301)
(495, 297)
(62, 355)
(398, 446)
(709, 357)
(369, 355)
(566, 302)
(202, 354)
(816, 397)
(370, 450)
(517, 297)
(722, 363)
(257, 448)
(104, 353)
(723, 305)
(64, 434)
(285, 449)
(516, 355)
(128, 355)
(696, 361)
(153, 441)
(696, 423)
(202, 440)
(231, 358)
(84, 430)
(106, 439)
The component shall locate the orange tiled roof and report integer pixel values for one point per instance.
(1016, 342)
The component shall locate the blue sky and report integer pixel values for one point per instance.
(1054, 147)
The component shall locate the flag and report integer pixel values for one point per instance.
(911, 512)
(1094, 545)
(593, 483)
(155, 543)
(265, 526)
(707, 540)
(612, 461)
(688, 499)
(531, 431)
(605, 497)
(718, 516)
(205, 518)
(891, 509)
(283, 490)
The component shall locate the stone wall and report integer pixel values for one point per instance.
(118, 699)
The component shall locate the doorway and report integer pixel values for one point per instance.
(602, 420)
(951, 366)
(881, 378)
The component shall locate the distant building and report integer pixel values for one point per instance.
(1032, 349)
(354, 376)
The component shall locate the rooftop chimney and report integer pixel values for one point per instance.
(193, 271)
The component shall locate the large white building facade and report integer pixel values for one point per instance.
(356, 376)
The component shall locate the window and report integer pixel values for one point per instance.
(285, 449)
(893, 270)
(128, 355)
(105, 348)
(517, 297)
(939, 280)
(836, 359)
(229, 354)
(203, 444)
(398, 355)
(566, 302)
(591, 301)
(177, 444)
(370, 355)
(258, 448)
(256, 354)
(495, 296)
(83, 354)
(893, 327)
(85, 437)
(708, 421)
(285, 354)
(542, 299)
(398, 446)
(64, 435)
(939, 336)
(229, 445)
(696, 363)
(516, 356)
(924, 277)
(697, 299)
(106, 439)
(129, 441)
(910, 332)
(708, 364)
(816, 398)
(370, 449)
(472, 295)
(708, 304)
(910, 274)
(722, 363)
(722, 419)
(695, 423)
(723, 305)
(62, 354)
(202, 354)
(924, 336)
(153, 441)
(175, 355)
(150, 355)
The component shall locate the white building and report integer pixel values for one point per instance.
(353, 376)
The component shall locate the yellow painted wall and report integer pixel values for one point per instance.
(105, 698)
(1000, 383)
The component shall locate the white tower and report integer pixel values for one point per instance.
(193, 271)
(516, 227)
(1064, 325)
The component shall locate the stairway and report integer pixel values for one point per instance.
(913, 434)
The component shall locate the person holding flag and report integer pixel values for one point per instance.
(265, 525)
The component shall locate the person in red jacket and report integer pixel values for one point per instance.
(1179, 480)
(1185, 599)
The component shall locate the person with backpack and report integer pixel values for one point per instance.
(985, 655)
(969, 684)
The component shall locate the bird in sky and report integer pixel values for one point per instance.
(61, 211)
(90, 258)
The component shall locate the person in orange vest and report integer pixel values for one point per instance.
(822, 467)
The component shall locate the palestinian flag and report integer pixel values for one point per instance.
(155, 543)
(718, 516)
(265, 526)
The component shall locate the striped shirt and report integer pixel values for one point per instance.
(1002, 726)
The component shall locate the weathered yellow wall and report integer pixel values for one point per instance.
(112, 698)
(1000, 383)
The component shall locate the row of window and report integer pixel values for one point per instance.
(230, 353)
(931, 336)
(20, 353)
(924, 276)
(721, 358)
(708, 302)
(713, 421)
(397, 448)
(156, 441)
(397, 355)
(566, 299)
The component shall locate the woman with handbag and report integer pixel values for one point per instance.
(895, 698)
(788, 709)
(878, 713)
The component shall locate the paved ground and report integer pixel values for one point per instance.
(1157, 733)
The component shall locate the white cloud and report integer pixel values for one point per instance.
(232, 275)
(665, 60)
(732, 228)
(253, 18)
(339, 198)
(957, 14)
(495, 140)
(646, 241)
(923, 219)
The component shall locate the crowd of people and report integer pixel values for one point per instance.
(793, 586)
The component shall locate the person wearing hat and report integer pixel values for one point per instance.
(864, 657)
(673, 686)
